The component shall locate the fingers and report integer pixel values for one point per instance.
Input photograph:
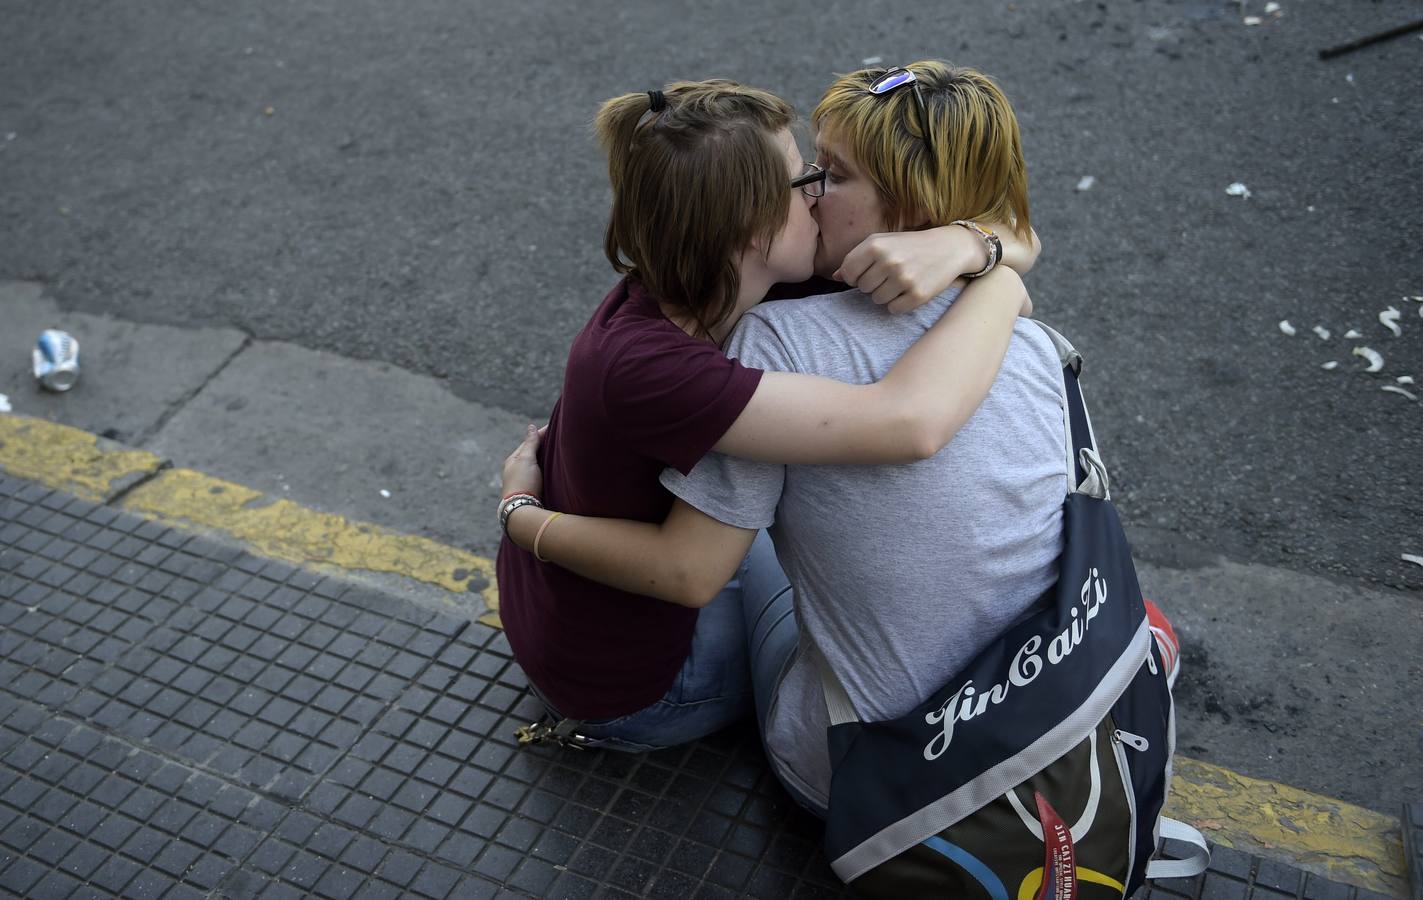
(906, 302)
(877, 283)
(529, 446)
(865, 254)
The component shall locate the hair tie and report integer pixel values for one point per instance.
(657, 100)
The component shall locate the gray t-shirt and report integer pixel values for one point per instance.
(902, 573)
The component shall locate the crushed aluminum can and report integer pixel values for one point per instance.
(56, 360)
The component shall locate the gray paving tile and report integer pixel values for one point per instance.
(236, 683)
(181, 718)
(88, 808)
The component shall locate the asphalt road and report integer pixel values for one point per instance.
(416, 183)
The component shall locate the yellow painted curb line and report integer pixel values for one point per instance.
(283, 530)
(70, 460)
(98, 470)
(1333, 839)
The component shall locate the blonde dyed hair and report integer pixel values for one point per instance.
(694, 185)
(977, 170)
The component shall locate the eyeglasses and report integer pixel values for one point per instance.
(812, 181)
(896, 78)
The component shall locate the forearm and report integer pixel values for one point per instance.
(971, 253)
(637, 557)
(1019, 253)
(908, 415)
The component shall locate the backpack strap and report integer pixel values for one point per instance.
(1089, 475)
(837, 701)
(1195, 864)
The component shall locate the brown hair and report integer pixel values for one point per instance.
(694, 184)
(978, 170)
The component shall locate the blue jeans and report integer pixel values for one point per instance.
(768, 606)
(714, 687)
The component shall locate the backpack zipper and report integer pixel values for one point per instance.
(1134, 741)
(1124, 770)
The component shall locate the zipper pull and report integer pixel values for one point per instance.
(1134, 741)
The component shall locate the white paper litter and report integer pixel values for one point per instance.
(1409, 557)
(1331, 365)
(1287, 328)
(1353, 334)
(1322, 332)
(1404, 379)
(1086, 182)
(1373, 356)
(1349, 78)
(4, 403)
(1252, 20)
(1271, 7)
(1238, 190)
(384, 493)
(872, 60)
(1389, 319)
(1395, 389)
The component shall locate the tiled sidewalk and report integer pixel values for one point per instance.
(181, 719)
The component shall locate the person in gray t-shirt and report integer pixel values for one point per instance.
(901, 573)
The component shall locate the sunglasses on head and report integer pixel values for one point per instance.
(898, 77)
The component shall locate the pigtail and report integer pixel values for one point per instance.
(616, 130)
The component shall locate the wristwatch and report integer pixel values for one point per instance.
(513, 502)
(990, 240)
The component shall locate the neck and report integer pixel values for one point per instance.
(754, 285)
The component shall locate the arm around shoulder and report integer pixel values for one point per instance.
(909, 415)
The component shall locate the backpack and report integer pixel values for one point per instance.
(1041, 768)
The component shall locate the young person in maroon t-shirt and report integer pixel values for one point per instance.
(706, 218)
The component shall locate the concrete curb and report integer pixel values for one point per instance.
(1331, 838)
(103, 471)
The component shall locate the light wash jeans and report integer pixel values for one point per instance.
(768, 607)
(714, 688)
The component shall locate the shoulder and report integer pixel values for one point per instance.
(774, 315)
(1044, 346)
(776, 333)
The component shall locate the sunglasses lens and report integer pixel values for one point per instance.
(891, 80)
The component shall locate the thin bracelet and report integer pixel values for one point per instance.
(538, 536)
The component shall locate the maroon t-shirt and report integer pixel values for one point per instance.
(639, 395)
